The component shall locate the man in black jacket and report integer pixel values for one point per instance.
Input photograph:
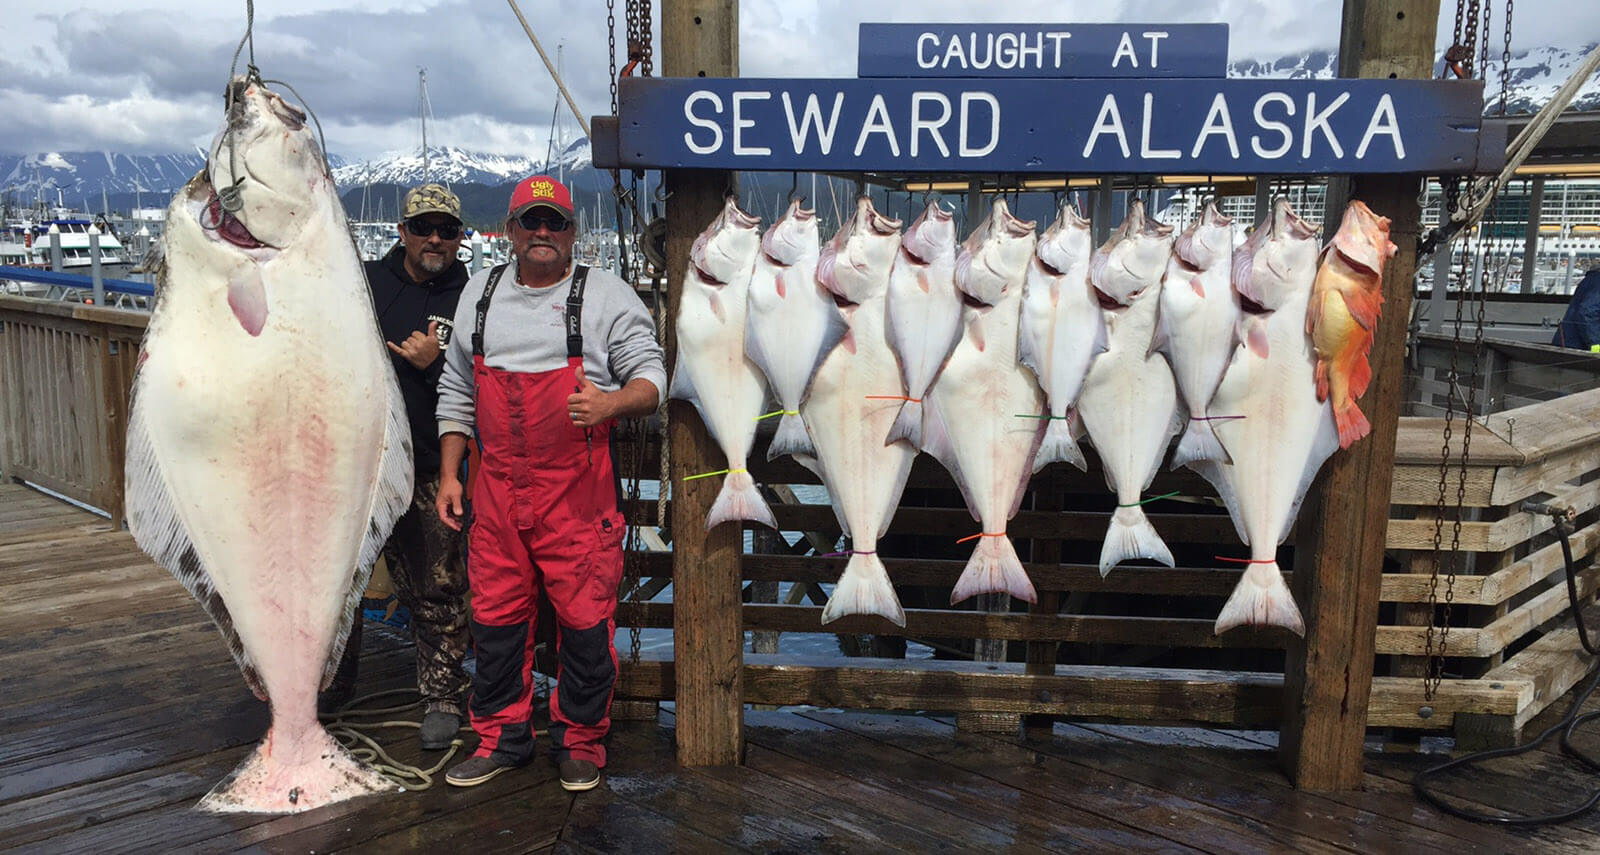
(415, 288)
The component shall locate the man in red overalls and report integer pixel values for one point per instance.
(546, 356)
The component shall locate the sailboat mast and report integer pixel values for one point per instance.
(422, 114)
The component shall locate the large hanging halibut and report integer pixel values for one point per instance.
(268, 455)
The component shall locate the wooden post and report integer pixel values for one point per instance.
(700, 38)
(1340, 535)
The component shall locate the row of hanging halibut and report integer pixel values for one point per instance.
(998, 357)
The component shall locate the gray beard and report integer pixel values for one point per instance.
(431, 265)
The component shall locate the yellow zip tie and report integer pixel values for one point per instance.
(778, 413)
(711, 474)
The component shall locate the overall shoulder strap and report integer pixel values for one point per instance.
(482, 310)
(580, 275)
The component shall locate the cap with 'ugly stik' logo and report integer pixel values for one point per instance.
(541, 191)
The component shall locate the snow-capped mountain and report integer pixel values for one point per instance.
(79, 174)
(459, 166)
(1536, 74)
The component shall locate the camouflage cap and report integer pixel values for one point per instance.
(431, 199)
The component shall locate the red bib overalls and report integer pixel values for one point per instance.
(544, 520)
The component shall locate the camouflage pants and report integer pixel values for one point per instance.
(430, 579)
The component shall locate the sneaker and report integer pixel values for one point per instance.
(579, 775)
(439, 729)
(475, 770)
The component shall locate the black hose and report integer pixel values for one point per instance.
(1566, 727)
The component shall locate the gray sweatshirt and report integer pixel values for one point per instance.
(524, 331)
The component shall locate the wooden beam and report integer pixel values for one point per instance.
(1339, 559)
(700, 38)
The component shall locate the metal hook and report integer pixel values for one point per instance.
(794, 185)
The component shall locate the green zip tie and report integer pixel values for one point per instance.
(712, 474)
(1151, 499)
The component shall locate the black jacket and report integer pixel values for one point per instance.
(404, 307)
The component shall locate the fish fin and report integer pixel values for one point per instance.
(158, 528)
(1358, 373)
(1199, 289)
(757, 354)
(975, 330)
(864, 589)
(1059, 445)
(810, 462)
(1199, 442)
(1320, 375)
(994, 568)
(777, 284)
(1322, 447)
(791, 438)
(1160, 338)
(832, 337)
(1028, 350)
(1352, 423)
(329, 775)
(907, 424)
(391, 496)
(1220, 475)
(714, 300)
(1365, 306)
(682, 386)
(936, 441)
(739, 500)
(247, 297)
(1261, 599)
(1132, 536)
(1254, 336)
(1027, 473)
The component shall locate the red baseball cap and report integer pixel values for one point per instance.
(537, 190)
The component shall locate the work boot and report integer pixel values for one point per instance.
(579, 775)
(475, 770)
(439, 729)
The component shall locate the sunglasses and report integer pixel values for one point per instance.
(554, 222)
(423, 228)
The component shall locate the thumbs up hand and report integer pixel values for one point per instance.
(590, 405)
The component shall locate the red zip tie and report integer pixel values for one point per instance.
(1246, 560)
(980, 534)
(893, 398)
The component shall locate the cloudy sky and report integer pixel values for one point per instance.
(146, 76)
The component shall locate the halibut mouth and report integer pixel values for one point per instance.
(226, 226)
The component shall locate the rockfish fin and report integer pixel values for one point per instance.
(739, 500)
(391, 495)
(1261, 599)
(864, 589)
(994, 568)
(1059, 445)
(1132, 536)
(155, 523)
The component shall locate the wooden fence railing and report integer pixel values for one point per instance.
(65, 370)
(1136, 645)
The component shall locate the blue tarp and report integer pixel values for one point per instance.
(1580, 326)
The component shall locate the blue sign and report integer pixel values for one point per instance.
(1213, 127)
(1043, 50)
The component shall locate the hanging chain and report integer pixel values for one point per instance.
(632, 268)
(1505, 61)
(611, 50)
(1458, 58)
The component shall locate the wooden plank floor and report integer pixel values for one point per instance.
(121, 709)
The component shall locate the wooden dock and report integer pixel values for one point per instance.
(121, 708)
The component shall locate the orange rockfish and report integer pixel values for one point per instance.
(1345, 303)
